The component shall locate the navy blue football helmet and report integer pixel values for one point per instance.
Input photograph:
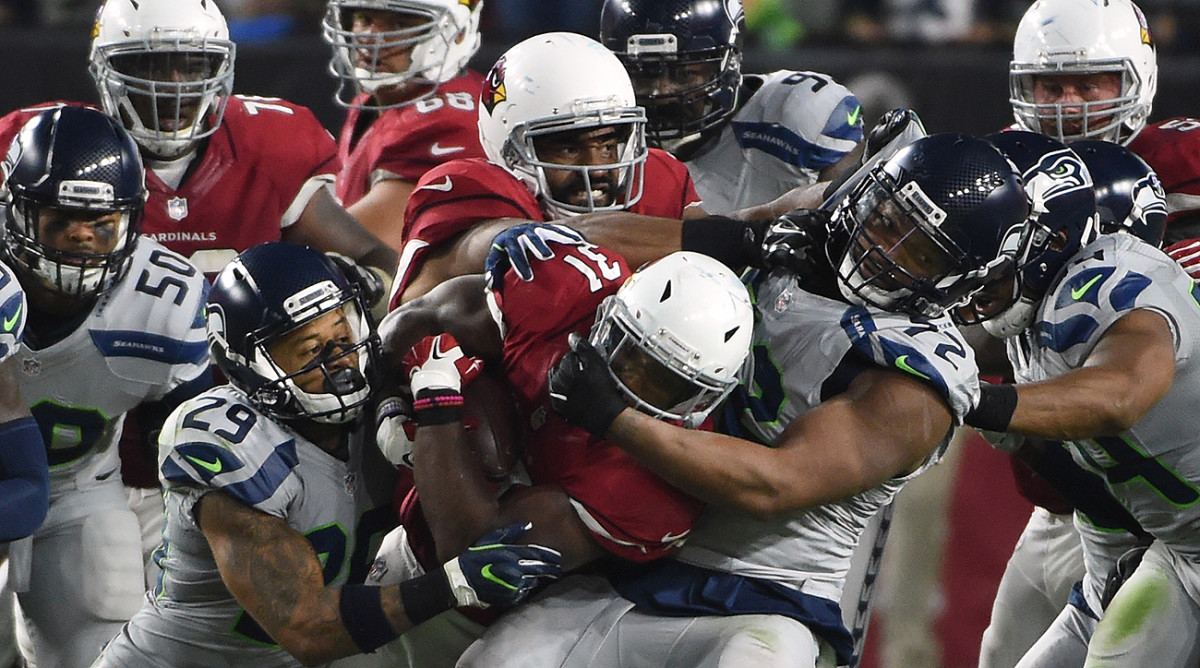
(685, 60)
(268, 291)
(80, 162)
(1062, 219)
(922, 232)
(1129, 196)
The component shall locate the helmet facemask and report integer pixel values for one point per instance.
(896, 258)
(1116, 119)
(169, 92)
(669, 385)
(684, 94)
(440, 38)
(345, 390)
(616, 191)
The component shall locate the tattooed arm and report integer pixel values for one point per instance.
(273, 572)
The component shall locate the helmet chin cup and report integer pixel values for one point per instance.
(1013, 320)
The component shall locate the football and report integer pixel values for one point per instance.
(493, 426)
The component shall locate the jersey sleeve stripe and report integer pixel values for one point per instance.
(209, 471)
(145, 345)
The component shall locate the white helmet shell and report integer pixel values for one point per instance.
(194, 35)
(691, 315)
(1084, 37)
(441, 42)
(558, 82)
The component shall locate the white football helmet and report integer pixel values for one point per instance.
(446, 37)
(685, 322)
(558, 82)
(1084, 37)
(164, 68)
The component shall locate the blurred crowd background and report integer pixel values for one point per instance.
(773, 24)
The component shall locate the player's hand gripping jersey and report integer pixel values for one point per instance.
(630, 511)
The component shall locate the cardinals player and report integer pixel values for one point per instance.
(674, 334)
(558, 145)
(402, 67)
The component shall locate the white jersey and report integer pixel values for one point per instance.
(220, 441)
(806, 348)
(13, 310)
(1153, 469)
(793, 125)
(142, 339)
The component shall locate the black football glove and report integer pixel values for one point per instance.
(498, 571)
(793, 242)
(370, 285)
(888, 127)
(583, 391)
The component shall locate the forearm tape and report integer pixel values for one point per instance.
(726, 240)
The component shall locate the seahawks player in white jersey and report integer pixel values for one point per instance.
(276, 495)
(746, 139)
(24, 485)
(1060, 567)
(854, 384)
(1105, 351)
(114, 322)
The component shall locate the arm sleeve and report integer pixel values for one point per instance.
(24, 479)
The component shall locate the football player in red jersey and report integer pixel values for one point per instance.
(411, 99)
(675, 334)
(558, 144)
(1104, 93)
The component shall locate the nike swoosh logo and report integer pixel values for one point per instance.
(902, 364)
(1078, 293)
(444, 186)
(211, 467)
(438, 149)
(9, 323)
(486, 572)
(852, 117)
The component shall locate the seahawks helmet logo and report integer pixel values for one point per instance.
(493, 92)
(1149, 196)
(1057, 173)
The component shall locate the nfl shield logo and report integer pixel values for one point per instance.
(177, 208)
(31, 366)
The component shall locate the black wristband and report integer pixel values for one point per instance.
(434, 407)
(734, 243)
(361, 607)
(997, 403)
(427, 596)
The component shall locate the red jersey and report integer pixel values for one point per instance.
(241, 192)
(452, 197)
(248, 185)
(405, 142)
(630, 511)
(1172, 149)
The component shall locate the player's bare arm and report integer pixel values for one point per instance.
(326, 226)
(1127, 373)
(381, 210)
(883, 426)
(276, 576)
(459, 503)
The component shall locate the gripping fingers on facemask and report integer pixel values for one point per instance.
(583, 391)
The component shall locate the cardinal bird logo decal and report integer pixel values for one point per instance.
(493, 87)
